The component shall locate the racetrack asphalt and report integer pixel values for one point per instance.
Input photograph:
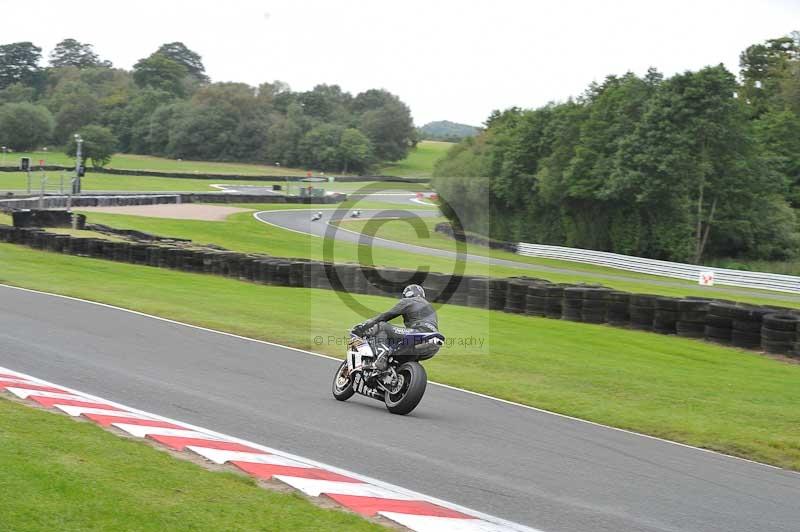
(300, 220)
(543, 470)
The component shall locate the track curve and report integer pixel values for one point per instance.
(299, 220)
(529, 466)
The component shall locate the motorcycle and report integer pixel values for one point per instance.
(401, 386)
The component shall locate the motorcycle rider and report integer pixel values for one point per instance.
(418, 316)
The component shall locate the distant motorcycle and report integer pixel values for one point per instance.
(316, 216)
(401, 386)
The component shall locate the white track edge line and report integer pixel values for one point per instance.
(448, 386)
(412, 247)
(255, 215)
(314, 463)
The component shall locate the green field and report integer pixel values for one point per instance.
(420, 161)
(786, 267)
(61, 474)
(241, 232)
(733, 401)
(93, 182)
(127, 161)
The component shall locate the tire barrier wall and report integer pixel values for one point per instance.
(765, 281)
(60, 202)
(221, 177)
(37, 218)
(119, 200)
(771, 329)
(126, 233)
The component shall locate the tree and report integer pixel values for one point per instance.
(372, 99)
(99, 144)
(320, 147)
(778, 134)
(202, 133)
(19, 63)
(178, 52)
(76, 106)
(154, 130)
(267, 92)
(24, 126)
(691, 163)
(132, 124)
(162, 73)
(327, 103)
(238, 99)
(17, 93)
(769, 72)
(70, 52)
(166, 105)
(390, 129)
(285, 134)
(387, 123)
(673, 169)
(355, 151)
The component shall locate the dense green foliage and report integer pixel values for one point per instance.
(698, 165)
(167, 106)
(24, 124)
(98, 144)
(446, 131)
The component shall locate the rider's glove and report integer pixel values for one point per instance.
(360, 328)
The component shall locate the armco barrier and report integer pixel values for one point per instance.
(716, 321)
(765, 281)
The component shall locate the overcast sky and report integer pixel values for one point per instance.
(448, 60)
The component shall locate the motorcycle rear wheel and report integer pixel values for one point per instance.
(414, 381)
(342, 386)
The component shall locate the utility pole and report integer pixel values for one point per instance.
(79, 143)
(41, 195)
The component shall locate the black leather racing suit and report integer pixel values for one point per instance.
(418, 316)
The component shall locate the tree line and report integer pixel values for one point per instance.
(698, 165)
(167, 106)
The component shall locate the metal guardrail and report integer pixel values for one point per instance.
(692, 272)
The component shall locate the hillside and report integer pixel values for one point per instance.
(420, 160)
(446, 130)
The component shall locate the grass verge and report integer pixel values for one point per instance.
(157, 164)
(71, 476)
(241, 232)
(94, 182)
(420, 160)
(702, 394)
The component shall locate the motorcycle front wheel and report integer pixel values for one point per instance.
(342, 384)
(412, 381)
